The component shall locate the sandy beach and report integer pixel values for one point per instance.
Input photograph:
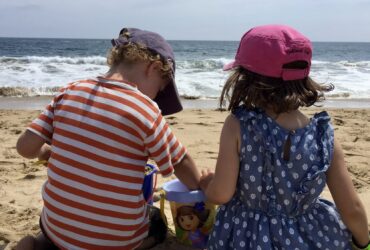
(198, 130)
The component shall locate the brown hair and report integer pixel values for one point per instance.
(254, 90)
(131, 53)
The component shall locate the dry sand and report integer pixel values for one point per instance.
(198, 130)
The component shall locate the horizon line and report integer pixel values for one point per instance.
(195, 40)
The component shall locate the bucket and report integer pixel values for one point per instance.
(193, 217)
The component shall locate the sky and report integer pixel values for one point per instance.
(320, 20)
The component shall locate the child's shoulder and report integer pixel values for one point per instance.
(321, 118)
(322, 115)
(244, 113)
(257, 117)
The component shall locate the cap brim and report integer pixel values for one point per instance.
(168, 100)
(229, 66)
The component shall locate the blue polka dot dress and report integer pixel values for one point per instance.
(276, 204)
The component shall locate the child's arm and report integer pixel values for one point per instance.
(222, 186)
(31, 145)
(170, 155)
(187, 172)
(345, 197)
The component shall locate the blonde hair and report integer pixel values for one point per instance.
(131, 53)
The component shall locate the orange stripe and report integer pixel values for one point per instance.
(164, 146)
(167, 171)
(99, 145)
(46, 119)
(99, 131)
(41, 130)
(87, 245)
(87, 220)
(96, 235)
(96, 171)
(49, 108)
(100, 159)
(139, 97)
(107, 107)
(164, 160)
(121, 81)
(96, 82)
(173, 159)
(179, 155)
(127, 92)
(92, 209)
(174, 147)
(98, 198)
(52, 238)
(94, 184)
(115, 98)
(154, 130)
(102, 119)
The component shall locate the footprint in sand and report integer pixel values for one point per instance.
(170, 118)
(338, 121)
(12, 211)
(210, 152)
(16, 131)
(10, 153)
(199, 123)
(29, 177)
(358, 185)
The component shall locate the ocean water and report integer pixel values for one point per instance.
(33, 66)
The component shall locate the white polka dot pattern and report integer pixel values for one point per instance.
(276, 204)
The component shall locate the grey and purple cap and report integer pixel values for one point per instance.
(168, 99)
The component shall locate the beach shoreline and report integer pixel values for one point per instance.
(39, 102)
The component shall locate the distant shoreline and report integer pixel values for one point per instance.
(39, 102)
(170, 40)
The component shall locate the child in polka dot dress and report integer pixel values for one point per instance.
(274, 162)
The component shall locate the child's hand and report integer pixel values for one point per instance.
(44, 153)
(205, 179)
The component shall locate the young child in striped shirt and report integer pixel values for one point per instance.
(97, 136)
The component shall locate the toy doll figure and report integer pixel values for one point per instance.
(194, 222)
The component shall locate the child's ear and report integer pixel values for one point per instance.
(155, 66)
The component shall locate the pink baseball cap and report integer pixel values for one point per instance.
(265, 49)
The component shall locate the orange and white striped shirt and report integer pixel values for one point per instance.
(102, 133)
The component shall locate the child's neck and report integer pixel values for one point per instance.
(289, 120)
(119, 76)
(124, 73)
